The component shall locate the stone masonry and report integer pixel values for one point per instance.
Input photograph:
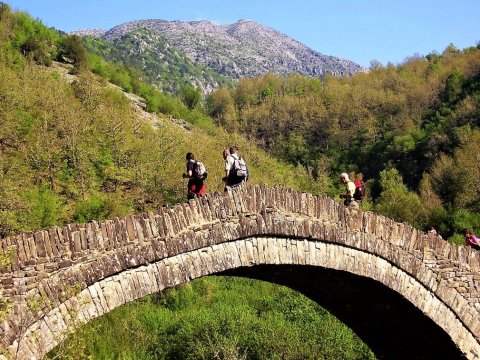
(64, 276)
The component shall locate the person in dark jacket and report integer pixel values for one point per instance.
(196, 181)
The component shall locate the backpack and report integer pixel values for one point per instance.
(199, 170)
(240, 167)
(359, 193)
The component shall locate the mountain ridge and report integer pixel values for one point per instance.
(244, 48)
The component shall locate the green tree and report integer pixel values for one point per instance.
(455, 178)
(45, 208)
(220, 106)
(190, 96)
(294, 149)
(37, 50)
(453, 86)
(72, 50)
(397, 201)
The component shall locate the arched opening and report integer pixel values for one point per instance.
(354, 285)
(217, 317)
(388, 323)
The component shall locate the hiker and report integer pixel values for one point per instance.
(434, 232)
(236, 171)
(348, 197)
(471, 240)
(196, 175)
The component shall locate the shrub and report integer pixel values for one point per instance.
(72, 50)
(45, 207)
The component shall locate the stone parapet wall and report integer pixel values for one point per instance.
(47, 264)
(61, 247)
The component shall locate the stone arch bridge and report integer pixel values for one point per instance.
(405, 293)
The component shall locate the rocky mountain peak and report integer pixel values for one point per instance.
(244, 48)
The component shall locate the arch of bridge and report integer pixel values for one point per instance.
(90, 269)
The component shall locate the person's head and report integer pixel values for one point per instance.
(190, 156)
(226, 152)
(344, 178)
(466, 232)
(233, 150)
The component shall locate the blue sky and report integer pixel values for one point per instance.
(358, 30)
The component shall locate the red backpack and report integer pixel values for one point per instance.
(359, 193)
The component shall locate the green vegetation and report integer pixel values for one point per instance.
(74, 151)
(217, 318)
(412, 130)
(160, 64)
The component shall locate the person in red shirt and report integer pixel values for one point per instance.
(196, 185)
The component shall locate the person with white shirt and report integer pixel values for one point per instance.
(349, 200)
(236, 171)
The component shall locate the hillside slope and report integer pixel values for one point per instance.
(75, 149)
(163, 65)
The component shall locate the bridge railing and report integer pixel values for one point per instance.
(59, 247)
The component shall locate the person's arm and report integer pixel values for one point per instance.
(228, 166)
(189, 172)
(470, 240)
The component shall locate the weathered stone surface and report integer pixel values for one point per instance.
(116, 261)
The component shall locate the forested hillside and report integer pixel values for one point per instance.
(74, 151)
(412, 130)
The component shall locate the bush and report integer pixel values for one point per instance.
(45, 208)
(72, 50)
(463, 219)
(396, 201)
(37, 50)
(96, 207)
